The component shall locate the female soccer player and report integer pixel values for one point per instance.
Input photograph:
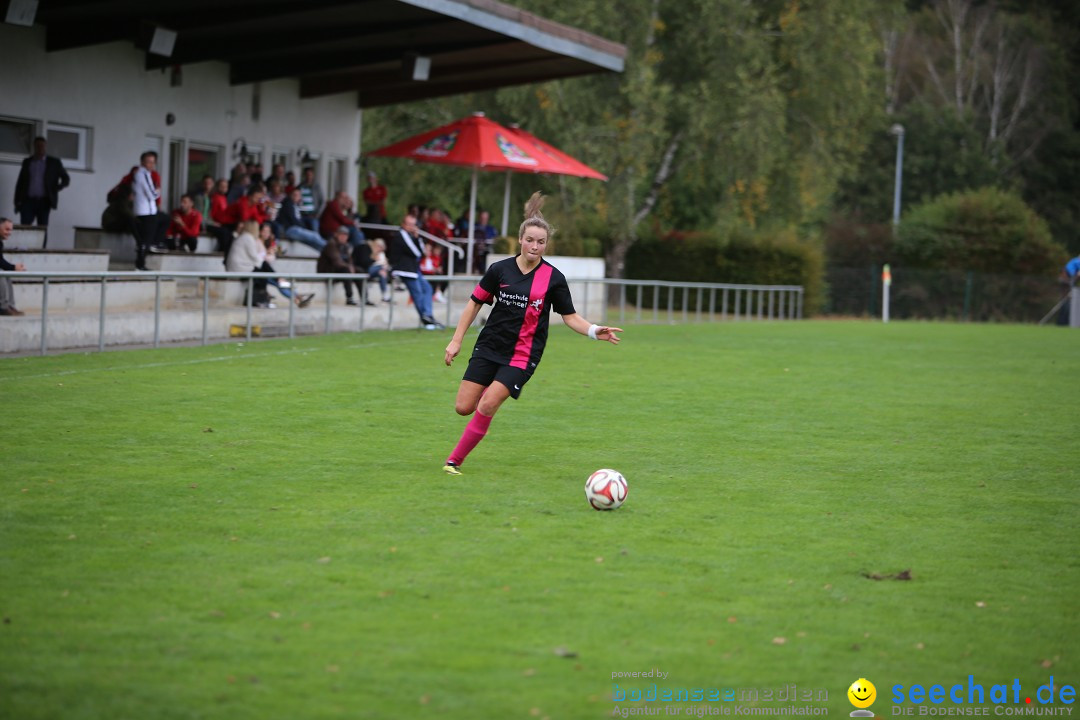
(511, 344)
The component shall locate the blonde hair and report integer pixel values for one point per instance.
(534, 218)
(250, 226)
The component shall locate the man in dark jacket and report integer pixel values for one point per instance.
(40, 181)
(404, 255)
(336, 257)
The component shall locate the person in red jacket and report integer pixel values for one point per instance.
(251, 206)
(222, 224)
(338, 213)
(185, 226)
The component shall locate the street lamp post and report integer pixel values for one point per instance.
(898, 130)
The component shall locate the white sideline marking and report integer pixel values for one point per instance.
(220, 358)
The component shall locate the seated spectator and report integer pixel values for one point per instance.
(277, 172)
(438, 224)
(336, 257)
(7, 292)
(338, 214)
(247, 254)
(239, 187)
(275, 196)
(119, 215)
(483, 222)
(290, 181)
(431, 264)
(313, 199)
(370, 258)
(222, 223)
(266, 236)
(185, 226)
(201, 197)
(251, 206)
(292, 225)
(380, 267)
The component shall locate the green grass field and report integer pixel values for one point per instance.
(263, 531)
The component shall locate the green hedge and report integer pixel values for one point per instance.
(987, 230)
(742, 256)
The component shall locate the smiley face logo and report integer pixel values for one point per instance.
(862, 693)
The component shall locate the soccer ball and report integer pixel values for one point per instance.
(605, 489)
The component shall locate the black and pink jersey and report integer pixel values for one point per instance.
(517, 328)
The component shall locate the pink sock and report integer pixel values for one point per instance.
(474, 432)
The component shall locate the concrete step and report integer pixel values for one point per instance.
(296, 249)
(25, 237)
(74, 295)
(59, 260)
(121, 246)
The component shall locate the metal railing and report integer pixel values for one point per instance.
(617, 300)
(455, 251)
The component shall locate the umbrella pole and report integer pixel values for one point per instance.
(506, 204)
(472, 222)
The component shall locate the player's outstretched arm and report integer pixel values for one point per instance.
(597, 332)
(467, 316)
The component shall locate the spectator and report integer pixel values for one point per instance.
(292, 226)
(277, 172)
(431, 264)
(201, 200)
(40, 181)
(150, 223)
(483, 238)
(266, 237)
(239, 187)
(338, 214)
(251, 206)
(247, 254)
(374, 200)
(275, 195)
(186, 225)
(256, 173)
(336, 257)
(483, 223)
(7, 292)
(312, 201)
(405, 254)
(290, 181)
(438, 224)
(222, 224)
(1067, 278)
(361, 259)
(119, 215)
(380, 267)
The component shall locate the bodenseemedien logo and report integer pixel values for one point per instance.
(862, 694)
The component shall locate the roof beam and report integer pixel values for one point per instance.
(341, 58)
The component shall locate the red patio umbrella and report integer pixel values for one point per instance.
(483, 144)
(475, 142)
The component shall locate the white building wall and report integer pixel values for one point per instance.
(107, 89)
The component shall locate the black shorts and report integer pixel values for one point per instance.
(483, 371)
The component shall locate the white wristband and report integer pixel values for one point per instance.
(592, 332)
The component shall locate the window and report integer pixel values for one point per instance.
(252, 156)
(337, 171)
(203, 160)
(281, 157)
(70, 143)
(16, 137)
